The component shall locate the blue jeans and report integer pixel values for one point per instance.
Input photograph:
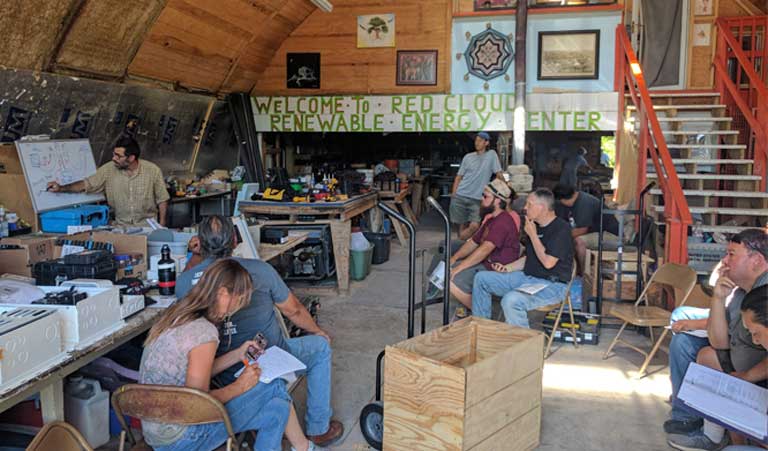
(315, 352)
(514, 303)
(263, 408)
(683, 350)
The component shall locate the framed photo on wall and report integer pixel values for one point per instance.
(302, 70)
(486, 5)
(569, 55)
(416, 67)
(703, 7)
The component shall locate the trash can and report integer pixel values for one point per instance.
(360, 265)
(381, 243)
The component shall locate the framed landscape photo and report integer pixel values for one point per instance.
(569, 55)
(416, 67)
(302, 70)
(486, 5)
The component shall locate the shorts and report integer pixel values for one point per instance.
(464, 210)
(724, 359)
(591, 239)
(464, 279)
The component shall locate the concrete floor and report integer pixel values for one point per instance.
(589, 403)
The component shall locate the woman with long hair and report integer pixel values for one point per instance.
(181, 350)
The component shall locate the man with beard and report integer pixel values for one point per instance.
(135, 189)
(497, 241)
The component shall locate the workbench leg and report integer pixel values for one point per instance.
(341, 232)
(409, 212)
(416, 198)
(402, 234)
(52, 401)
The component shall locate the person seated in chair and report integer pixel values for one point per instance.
(582, 211)
(180, 350)
(544, 272)
(731, 348)
(496, 241)
(217, 241)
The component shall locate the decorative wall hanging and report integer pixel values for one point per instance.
(702, 34)
(416, 67)
(703, 7)
(376, 30)
(489, 54)
(485, 5)
(569, 55)
(303, 70)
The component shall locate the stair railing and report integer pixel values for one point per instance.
(740, 78)
(651, 144)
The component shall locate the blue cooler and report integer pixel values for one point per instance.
(57, 221)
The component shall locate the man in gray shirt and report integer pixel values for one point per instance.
(474, 174)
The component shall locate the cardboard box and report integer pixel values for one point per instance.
(34, 248)
(474, 384)
(124, 244)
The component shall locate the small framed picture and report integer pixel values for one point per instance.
(569, 55)
(702, 34)
(302, 70)
(703, 7)
(376, 30)
(417, 67)
(486, 5)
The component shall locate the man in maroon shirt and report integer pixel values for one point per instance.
(497, 241)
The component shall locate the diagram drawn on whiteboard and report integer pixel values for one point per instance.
(62, 161)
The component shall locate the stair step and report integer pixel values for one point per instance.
(708, 161)
(682, 94)
(706, 146)
(695, 119)
(652, 175)
(719, 193)
(722, 211)
(723, 228)
(700, 132)
(683, 107)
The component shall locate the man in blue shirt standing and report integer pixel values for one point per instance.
(217, 240)
(474, 174)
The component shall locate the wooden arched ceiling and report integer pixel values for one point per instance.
(214, 46)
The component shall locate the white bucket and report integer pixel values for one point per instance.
(86, 407)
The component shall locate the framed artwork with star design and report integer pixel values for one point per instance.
(569, 55)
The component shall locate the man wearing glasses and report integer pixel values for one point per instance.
(135, 189)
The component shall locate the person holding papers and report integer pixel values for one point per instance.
(732, 350)
(539, 278)
(217, 240)
(180, 350)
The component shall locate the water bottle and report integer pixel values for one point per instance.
(166, 272)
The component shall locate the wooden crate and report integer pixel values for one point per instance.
(472, 385)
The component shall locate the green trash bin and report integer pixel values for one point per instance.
(360, 265)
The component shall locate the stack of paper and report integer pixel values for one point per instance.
(275, 363)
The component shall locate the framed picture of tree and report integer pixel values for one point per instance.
(376, 30)
(485, 5)
(416, 67)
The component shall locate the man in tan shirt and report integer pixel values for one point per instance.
(135, 189)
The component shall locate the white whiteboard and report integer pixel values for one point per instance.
(61, 161)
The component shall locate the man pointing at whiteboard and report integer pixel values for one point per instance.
(135, 189)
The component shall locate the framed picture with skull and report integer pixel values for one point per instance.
(303, 70)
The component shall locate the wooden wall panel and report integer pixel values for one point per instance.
(345, 69)
(106, 34)
(30, 31)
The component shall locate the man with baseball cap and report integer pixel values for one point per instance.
(475, 172)
(497, 241)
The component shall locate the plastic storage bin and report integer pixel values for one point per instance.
(381, 244)
(86, 407)
(360, 265)
(57, 221)
(177, 241)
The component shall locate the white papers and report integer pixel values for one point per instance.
(154, 224)
(69, 249)
(531, 288)
(72, 229)
(737, 403)
(275, 363)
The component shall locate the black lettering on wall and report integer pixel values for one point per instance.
(82, 125)
(16, 124)
(170, 130)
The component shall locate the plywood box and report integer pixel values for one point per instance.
(472, 385)
(34, 249)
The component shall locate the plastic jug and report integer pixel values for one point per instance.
(86, 407)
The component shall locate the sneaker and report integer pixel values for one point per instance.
(684, 427)
(695, 442)
(460, 313)
(332, 435)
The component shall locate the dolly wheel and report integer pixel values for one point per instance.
(372, 423)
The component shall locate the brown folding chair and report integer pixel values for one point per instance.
(682, 279)
(59, 436)
(169, 404)
(560, 306)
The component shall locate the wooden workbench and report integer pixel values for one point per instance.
(269, 251)
(337, 214)
(398, 201)
(50, 384)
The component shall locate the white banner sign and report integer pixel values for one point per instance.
(434, 113)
